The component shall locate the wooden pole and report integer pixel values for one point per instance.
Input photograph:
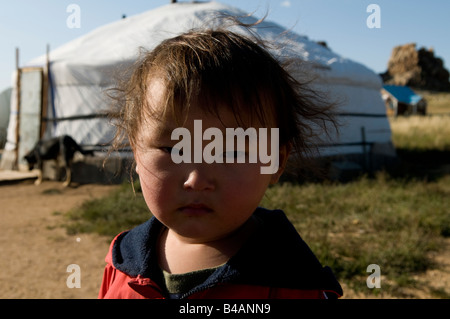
(45, 86)
(18, 75)
(17, 58)
(364, 144)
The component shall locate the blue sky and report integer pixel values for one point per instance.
(32, 24)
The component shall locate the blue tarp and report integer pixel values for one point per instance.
(403, 94)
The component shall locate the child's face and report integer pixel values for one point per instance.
(198, 201)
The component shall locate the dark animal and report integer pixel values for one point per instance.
(63, 148)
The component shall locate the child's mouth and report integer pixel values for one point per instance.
(196, 209)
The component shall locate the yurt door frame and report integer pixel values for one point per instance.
(30, 85)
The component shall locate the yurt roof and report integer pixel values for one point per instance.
(119, 42)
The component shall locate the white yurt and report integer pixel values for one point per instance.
(81, 70)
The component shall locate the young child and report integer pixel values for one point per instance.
(208, 237)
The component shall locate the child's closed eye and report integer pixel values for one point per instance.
(234, 154)
(169, 150)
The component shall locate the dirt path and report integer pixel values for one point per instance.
(35, 250)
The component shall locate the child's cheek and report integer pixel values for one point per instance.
(158, 191)
(244, 182)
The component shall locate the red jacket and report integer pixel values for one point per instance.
(274, 263)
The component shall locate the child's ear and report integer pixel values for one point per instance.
(136, 166)
(284, 152)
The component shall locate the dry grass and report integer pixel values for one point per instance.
(438, 102)
(421, 132)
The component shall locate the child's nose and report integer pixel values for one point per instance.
(199, 180)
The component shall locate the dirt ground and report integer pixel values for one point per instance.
(36, 251)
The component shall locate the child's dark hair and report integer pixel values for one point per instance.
(216, 68)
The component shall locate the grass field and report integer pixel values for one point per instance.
(397, 219)
(422, 133)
